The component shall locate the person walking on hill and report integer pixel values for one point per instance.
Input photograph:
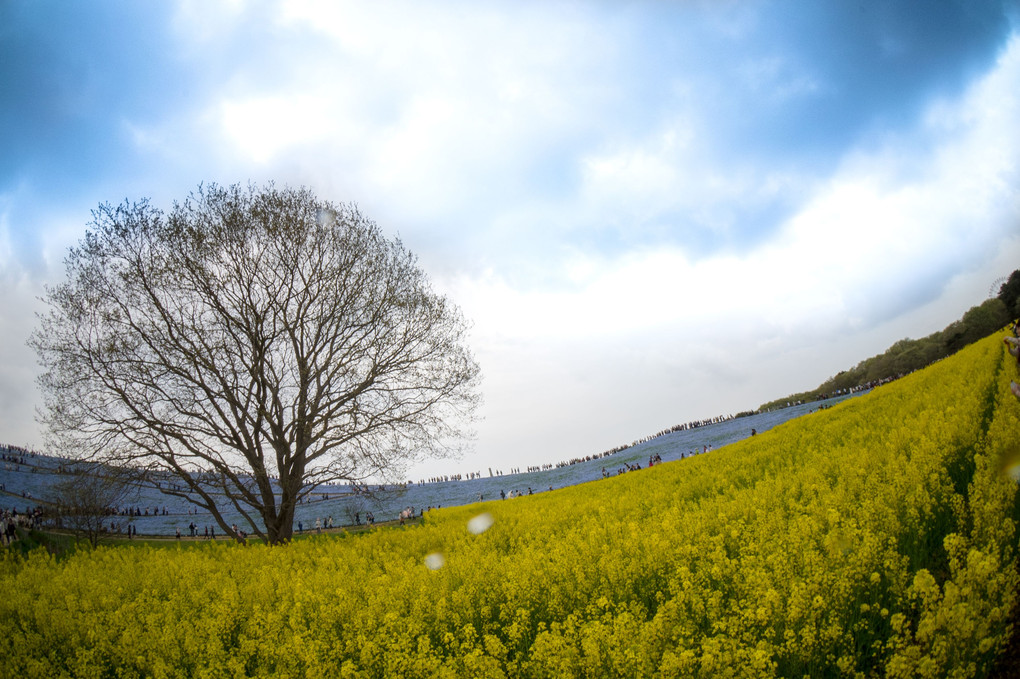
(1013, 346)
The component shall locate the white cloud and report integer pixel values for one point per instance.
(673, 184)
(548, 173)
(6, 249)
(444, 113)
(652, 335)
(203, 22)
(263, 126)
(18, 368)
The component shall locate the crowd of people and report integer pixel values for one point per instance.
(16, 453)
(470, 476)
(1013, 346)
(687, 426)
(141, 511)
(652, 461)
(208, 534)
(14, 458)
(516, 493)
(11, 520)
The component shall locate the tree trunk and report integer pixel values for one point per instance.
(281, 529)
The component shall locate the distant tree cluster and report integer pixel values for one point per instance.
(908, 355)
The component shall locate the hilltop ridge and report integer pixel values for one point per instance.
(908, 355)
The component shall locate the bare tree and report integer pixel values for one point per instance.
(253, 343)
(89, 494)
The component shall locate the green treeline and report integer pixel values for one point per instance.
(909, 355)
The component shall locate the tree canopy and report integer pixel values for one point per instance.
(250, 344)
(1009, 293)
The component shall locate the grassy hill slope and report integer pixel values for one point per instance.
(875, 537)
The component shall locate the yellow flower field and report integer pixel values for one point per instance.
(877, 537)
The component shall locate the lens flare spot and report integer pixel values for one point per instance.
(1009, 462)
(480, 523)
(325, 217)
(434, 561)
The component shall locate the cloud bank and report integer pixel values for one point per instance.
(653, 212)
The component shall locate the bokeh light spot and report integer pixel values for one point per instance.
(480, 523)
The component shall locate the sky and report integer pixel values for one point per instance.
(651, 212)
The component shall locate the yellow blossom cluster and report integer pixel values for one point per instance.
(875, 537)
